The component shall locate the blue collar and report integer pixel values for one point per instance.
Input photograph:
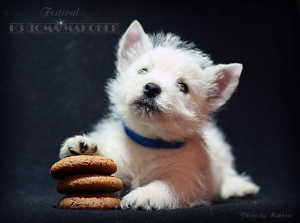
(152, 143)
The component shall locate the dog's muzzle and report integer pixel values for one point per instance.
(147, 102)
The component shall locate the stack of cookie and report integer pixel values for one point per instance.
(87, 182)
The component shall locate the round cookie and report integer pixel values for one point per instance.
(82, 165)
(90, 201)
(89, 183)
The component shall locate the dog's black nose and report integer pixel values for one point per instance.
(152, 90)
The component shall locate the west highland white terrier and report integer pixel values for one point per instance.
(160, 131)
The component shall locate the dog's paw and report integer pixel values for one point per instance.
(78, 145)
(149, 198)
(143, 200)
(238, 186)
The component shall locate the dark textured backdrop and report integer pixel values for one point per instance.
(52, 87)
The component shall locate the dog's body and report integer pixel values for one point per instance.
(164, 93)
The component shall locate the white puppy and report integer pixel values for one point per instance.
(160, 131)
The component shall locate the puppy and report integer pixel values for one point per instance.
(160, 130)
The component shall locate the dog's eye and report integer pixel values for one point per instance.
(143, 71)
(183, 87)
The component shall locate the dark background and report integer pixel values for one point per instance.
(52, 87)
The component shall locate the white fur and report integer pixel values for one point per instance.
(199, 172)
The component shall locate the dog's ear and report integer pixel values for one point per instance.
(225, 80)
(133, 44)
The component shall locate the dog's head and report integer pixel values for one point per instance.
(165, 87)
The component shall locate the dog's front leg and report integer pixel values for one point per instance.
(156, 195)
